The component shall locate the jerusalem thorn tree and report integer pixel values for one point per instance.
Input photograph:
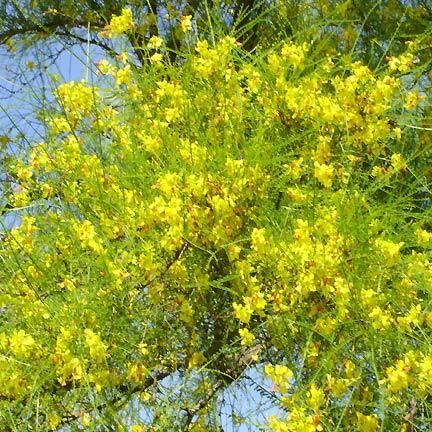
(231, 222)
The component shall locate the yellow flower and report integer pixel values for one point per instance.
(398, 163)
(257, 301)
(186, 23)
(76, 98)
(378, 171)
(197, 359)
(242, 312)
(277, 425)
(322, 153)
(124, 76)
(388, 250)
(96, 347)
(402, 64)
(186, 312)
(104, 67)
(247, 337)
(87, 235)
(381, 320)
(295, 168)
(423, 237)
(367, 423)
(72, 368)
(23, 172)
(120, 24)
(412, 318)
(155, 42)
(148, 143)
(53, 420)
(316, 397)
(156, 59)
(296, 194)
(337, 386)
(258, 238)
(397, 377)
(21, 343)
(324, 173)
(294, 54)
(136, 372)
(85, 419)
(67, 284)
(325, 326)
(280, 375)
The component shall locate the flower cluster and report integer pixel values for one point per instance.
(120, 24)
(221, 207)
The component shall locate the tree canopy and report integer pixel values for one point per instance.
(370, 28)
(213, 228)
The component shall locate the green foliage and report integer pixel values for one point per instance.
(231, 221)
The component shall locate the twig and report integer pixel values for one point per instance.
(177, 255)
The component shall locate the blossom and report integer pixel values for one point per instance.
(246, 336)
(367, 423)
(120, 24)
(280, 375)
(155, 42)
(21, 343)
(96, 347)
(186, 23)
(324, 173)
(398, 163)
